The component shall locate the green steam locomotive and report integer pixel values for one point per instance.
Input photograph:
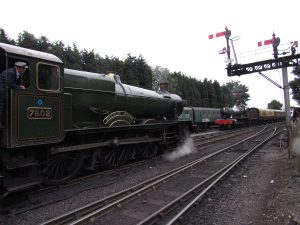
(67, 120)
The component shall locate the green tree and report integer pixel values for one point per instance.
(239, 93)
(4, 38)
(137, 72)
(158, 74)
(112, 64)
(205, 93)
(128, 75)
(295, 84)
(144, 73)
(57, 48)
(179, 85)
(27, 40)
(274, 104)
(73, 58)
(226, 98)
(43, 44)
(218, 95)
(89, 61)
(195, 92)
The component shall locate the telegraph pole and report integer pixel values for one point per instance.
(227, 36)
(286, 96)
(287, 107)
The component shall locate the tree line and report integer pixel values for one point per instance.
(295, 84)
(134, 70)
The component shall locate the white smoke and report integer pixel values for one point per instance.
(186, 148)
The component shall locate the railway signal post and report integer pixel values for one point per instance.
(227, 34)
(271, 64)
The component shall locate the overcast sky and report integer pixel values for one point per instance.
(168, 33)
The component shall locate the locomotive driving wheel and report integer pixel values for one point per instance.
(59, 168)
(116, 156)
(147, 151)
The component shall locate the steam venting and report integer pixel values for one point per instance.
(186, 148)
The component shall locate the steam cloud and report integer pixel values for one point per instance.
(182, 150)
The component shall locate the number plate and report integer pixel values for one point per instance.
(39, 113)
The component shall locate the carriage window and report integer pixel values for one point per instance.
(48, 77)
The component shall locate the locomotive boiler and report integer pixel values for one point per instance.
(100, 99)
(67, 120)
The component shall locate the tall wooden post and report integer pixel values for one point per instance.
(287, 107)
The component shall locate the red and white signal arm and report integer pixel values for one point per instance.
(222, 51)
(265, 42)
(220, 34)
(294, 44)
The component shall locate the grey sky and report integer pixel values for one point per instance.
(168, 33)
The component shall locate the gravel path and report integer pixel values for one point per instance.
(263, 191)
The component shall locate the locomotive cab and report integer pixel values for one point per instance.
(32, 115)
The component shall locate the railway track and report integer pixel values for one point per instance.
(217, 136)
(155, 200)
(200, 140)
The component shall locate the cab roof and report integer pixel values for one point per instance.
(29, 53)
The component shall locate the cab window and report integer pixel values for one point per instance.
(48, 78)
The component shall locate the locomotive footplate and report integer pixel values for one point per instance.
(155, 126)
(20, 179)
(119, 136)
(114, 142)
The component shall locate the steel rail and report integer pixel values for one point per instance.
(207, 138)
(223, 172)
(222, 137)
(103, 205)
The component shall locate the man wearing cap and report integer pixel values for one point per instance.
(11, 78)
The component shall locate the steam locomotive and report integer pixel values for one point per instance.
(67, 120)
(234, 117)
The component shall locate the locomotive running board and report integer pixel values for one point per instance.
(115, 142)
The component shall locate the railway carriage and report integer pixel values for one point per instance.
(66, 120)
(234, 117)
(271, 115)
(200, 117)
